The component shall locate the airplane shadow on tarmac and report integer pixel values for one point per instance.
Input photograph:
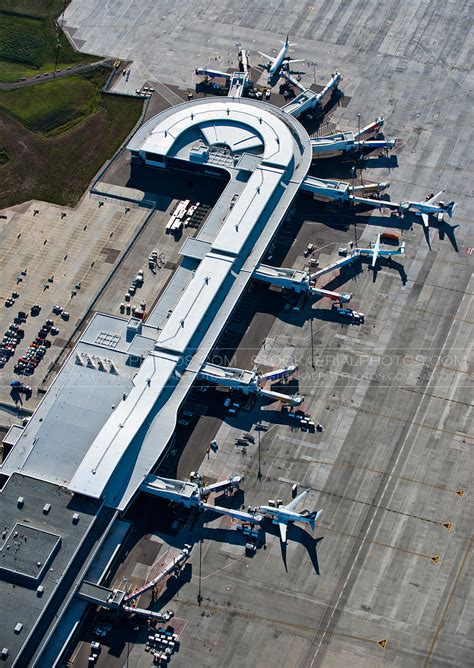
(200, 531)
(445, 228)
(346, 216)
(390, 263)
(378, 162)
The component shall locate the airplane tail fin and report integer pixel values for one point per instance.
(402, 248)
(287, 42)
(450, 208)
(312, 517)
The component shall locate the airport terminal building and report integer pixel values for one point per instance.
(111, 412)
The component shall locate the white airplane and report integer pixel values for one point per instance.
(375, 251)
(282, 515)
(275, 65)
(424, 209)
(431, 206)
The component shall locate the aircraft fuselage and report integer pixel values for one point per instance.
(284, 516)
(278, 62)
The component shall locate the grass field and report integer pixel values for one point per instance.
(53, 106)
(28, 39)
(56, 135)
(33, 7)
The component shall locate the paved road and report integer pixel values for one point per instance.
(59, 74)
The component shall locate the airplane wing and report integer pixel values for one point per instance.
(294, 60)
(283, 529)
(425, 219)
(266, 56)
(294, 502)
(435, 198)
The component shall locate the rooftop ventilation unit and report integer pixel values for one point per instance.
(100, 364)
(89, 362)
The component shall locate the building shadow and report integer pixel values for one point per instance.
(163, 186)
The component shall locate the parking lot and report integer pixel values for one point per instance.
(80, 261)
(54, 256)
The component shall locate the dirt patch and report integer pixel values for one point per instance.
(59, 169)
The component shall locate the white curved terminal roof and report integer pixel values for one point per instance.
(222, 274)
(239, 126)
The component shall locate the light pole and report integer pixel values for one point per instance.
(355, 220)
(259, 473)
(199, 596)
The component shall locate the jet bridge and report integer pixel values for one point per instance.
(249, 382)
(328, 190)
(253, 518)
(172, 568)
(334, 266)
(238, 83)
(297, 280)
(222, 485)
(371, 130)
(185, 493)
(308, 99)
(329, 146)
(117, 600)
(161, 489)
(293, 81)
(188, 494)
(244, 63)
(208, 72)
(338, 144)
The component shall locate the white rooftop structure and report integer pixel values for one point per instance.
(237, 124)
(245, 220)
(202, 291)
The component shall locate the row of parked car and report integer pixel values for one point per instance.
(36, 350)
(11, 339)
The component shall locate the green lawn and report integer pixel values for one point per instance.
(57, 134)
(54, 135)
(33, 7)
(28, 39)
(53, 106)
